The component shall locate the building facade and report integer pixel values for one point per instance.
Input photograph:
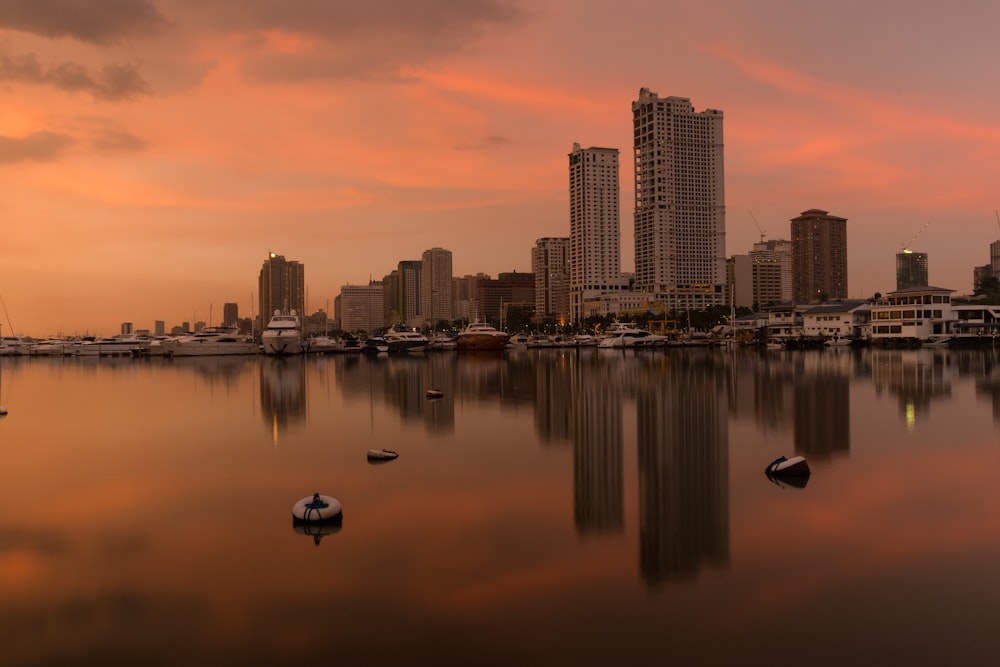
(495, 296)
(282, 287)
(550, 265)
(911, 269)
(773, 252)
(360, 307)
(819, 257)
(594, 225)
(409, 292)
(680, 215)
(435, 286)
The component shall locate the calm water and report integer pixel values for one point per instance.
(591, 508)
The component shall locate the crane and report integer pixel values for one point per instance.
(762, 234)
(906, 245)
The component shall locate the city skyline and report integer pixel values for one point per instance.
(152, 153)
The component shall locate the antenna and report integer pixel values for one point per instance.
(906, 246)
(762, 234)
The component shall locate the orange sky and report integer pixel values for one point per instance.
(152, 152)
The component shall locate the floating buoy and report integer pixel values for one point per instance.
(317, 509)
(381, 455)
(434, 393)
(797, 466)
(3, 411)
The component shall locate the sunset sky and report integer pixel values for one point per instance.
(152, 152)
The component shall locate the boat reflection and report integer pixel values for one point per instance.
(282, 393)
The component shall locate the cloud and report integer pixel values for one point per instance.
(488, 143)
(117, 141)
(37, 146)
(337, 40)
(115, 82)
(94, 21)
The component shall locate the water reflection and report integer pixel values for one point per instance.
(915, 377)
(282, 393)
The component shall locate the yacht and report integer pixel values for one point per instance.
(283, 334)
(442, 340)
(406, 340)
(627, 334)
(119, 345)
(13, 346)
(322, 344)
(211, 341)
(51, 347)
(481, 336)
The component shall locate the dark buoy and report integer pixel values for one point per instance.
(797, 466)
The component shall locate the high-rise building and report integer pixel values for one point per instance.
(777, 288)
(435, 286)
(390, 297)
(911, 269)
(550, 264)
(230, 314)
(409, 291)
(360, 307)
(494, 297)
(680, 206)
(819, 257)
(465, 297)
(282, 287)
(739, 281)
(594, 225)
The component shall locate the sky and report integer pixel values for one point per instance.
(153, 152)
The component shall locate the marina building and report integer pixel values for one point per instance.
(435, 286)
(594, 225)
(550, 266)
(819, 257)
(680, 216)
(281, 286)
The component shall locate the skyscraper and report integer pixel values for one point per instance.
(594, 225)
(911, 269)
(680, 214)
(282, 286)
(435, 285)
(776, 287)
(409, 291)
(550, 264)
(819, 257)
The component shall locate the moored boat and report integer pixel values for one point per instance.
(283, 334)
(400, 339)
(211, 341)
(481, 336)
(381, 455)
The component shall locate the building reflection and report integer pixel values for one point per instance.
(282, 393)
(915, 377)
(822, 405)
(683, 456)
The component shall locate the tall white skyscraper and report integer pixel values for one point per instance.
(594, 225)
(435, 286)
(680, 212)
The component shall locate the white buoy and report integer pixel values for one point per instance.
(434, 393)
(317, 508)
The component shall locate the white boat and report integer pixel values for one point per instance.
(518, 341)
(283, 334)
(406, 340)
(442, 340)
(937, 341)
(481, 336)
(322, 344)
(627, 334)
(211, 341)
(381, 455)
(585, 340)
(52, 347)
(348, 343)
(119, 345)
(375, 345)
(838, 341)
(12, 346)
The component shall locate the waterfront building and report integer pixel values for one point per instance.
(995, 258)
(390, 298)
(409, 291)
(912, 314)
(360, 307)
(819, 257)
(841, 319)
(770, 286)
(594, 225)
(495, 296)
(435, 286)
(281, 286)
(911, 269)
(126, 328)
(680, 215)
(159, 327)
(550, 266)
